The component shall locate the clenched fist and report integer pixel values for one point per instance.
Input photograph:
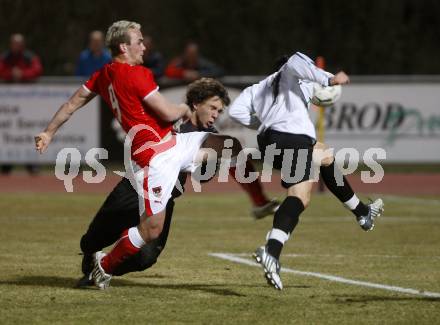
(42, 140)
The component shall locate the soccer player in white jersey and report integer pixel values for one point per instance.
(278, 107)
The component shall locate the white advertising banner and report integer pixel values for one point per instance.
(403, 119)
(25, 110)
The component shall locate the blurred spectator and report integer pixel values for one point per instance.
(19, 64)
(94, 57)
(153, 59)
(191, 65)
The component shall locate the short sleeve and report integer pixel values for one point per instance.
(91, 84)
(143, 82)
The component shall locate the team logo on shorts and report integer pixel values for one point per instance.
(157, 191)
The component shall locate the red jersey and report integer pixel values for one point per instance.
(124, 88)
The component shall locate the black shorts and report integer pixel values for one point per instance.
(295, 159)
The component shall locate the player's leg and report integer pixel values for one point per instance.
(340, 187)
(106, 228)
(128, 245)
(287, 216)
(112, 225)
(285, 220)
(295, 162)
(118, 212)
(149, 253)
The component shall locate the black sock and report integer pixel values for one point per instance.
(285, 219)
(87, 264)
(330, 175)
(360, 210)
(274, 248)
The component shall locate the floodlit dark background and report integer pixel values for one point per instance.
(244, 36)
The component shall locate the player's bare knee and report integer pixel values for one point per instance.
(327, 160)
(306, 201)
(302, 191)
(154, 232)
(322, 155)
(149, 231)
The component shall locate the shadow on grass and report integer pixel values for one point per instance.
(298, 286)
(70, 283)
(342, 299)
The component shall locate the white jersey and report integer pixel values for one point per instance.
(256, 106)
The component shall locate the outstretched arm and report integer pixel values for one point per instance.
(302, 67)
(80, 98)
(166, 110)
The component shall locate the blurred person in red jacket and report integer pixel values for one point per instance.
(19, 64)
(190, 65)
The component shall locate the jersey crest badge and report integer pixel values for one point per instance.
(157, 191)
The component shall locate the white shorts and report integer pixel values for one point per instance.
(155, 182)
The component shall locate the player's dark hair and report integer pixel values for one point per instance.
(276, 81)
(205, 88)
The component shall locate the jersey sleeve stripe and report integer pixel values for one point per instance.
(87, 89)
(305, 58)
(151, 93)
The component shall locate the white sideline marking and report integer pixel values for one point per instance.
(347, 255)
(381, 219)
(346, 219)
(332, 278)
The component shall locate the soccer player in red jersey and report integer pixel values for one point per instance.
(157, 154)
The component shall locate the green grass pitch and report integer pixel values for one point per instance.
(39, 265)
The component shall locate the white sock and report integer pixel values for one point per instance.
(352, 203)
(278, 235)
(135, 237)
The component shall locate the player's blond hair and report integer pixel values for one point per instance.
(117, 34)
